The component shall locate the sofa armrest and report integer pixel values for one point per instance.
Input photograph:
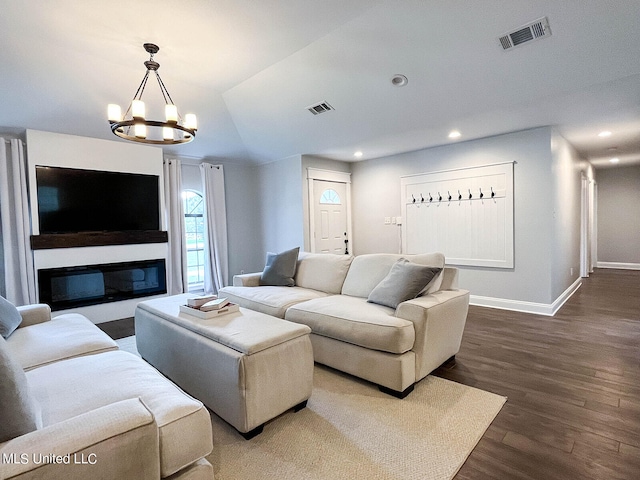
(449, 278)
(439, 320)
(247, 280)
(33, 314)
(117, 441)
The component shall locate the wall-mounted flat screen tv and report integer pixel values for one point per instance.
(72, 200)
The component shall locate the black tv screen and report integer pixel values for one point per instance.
(73, 200)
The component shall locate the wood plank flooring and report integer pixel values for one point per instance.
(573, 383)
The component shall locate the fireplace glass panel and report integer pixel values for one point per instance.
(69, 287)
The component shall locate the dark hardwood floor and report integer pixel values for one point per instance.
(572, 382)
(117, 329)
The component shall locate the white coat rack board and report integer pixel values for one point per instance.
(467, 214)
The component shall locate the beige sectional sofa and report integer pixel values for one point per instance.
(392, 347)
(98, 412)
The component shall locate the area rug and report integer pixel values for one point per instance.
(350, 430)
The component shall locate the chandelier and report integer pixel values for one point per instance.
(133, 125)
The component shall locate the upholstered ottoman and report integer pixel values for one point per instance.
(247, 367)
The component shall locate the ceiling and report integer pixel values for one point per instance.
(249, 69)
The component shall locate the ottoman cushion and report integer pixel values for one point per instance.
(248, 332)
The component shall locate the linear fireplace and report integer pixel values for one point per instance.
(70, 287)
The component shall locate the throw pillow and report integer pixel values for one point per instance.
(280, 268)
(10, 318)
(18, 410)
(404, 281)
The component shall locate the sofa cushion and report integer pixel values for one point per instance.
(10, 318)
(280, 268)
(404, 281)
(321, 271)
(270, 300)
(353, 320)
(72, 387)
(66, 336)
(367, 271)
(19, 412)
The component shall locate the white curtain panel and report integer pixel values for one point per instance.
(19, 275)
(216, 269)
(177, 281)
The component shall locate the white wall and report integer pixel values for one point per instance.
(376, 194)
(619, 216)
(53, 149)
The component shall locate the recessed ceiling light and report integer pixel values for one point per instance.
(614, 160)
(454, 134)
(399, 80)
(605, 133)
(358, 154)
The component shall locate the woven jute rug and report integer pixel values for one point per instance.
(350, 430)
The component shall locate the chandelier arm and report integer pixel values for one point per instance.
(164, 89)
(142, 86)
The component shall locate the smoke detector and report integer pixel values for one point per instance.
(532, 31)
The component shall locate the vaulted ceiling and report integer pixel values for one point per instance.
(249, 69)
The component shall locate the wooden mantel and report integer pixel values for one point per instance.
(95, 239)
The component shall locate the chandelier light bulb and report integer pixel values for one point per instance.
(140, 130)
(114, 112)
(137, 109)
(190, 121)
(171, 114)
(167, 133)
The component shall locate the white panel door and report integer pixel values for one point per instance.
(330, 217)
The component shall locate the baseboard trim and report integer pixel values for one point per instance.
(618, 265)
(547, 309)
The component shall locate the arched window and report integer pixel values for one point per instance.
(330, 196)
(194, 237)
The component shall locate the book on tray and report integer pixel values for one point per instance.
(199, 301)
(211, 309)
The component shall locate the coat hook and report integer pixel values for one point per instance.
(421, 198)
(414, 198)
(459, 195)
(430, 197)
(493, 194)
(449, 193)
(470, 195)
(481, 194)
(439, 197)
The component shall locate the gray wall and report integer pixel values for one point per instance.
(376, 194)
(566, 176)
(244, 219)
(619, 214)
(280, 204)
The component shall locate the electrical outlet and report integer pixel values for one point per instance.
(398, 220)
(387, 220)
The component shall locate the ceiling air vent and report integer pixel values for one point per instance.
(320, 108)
(531, 31)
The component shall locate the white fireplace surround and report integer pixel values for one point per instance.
(57, 150)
